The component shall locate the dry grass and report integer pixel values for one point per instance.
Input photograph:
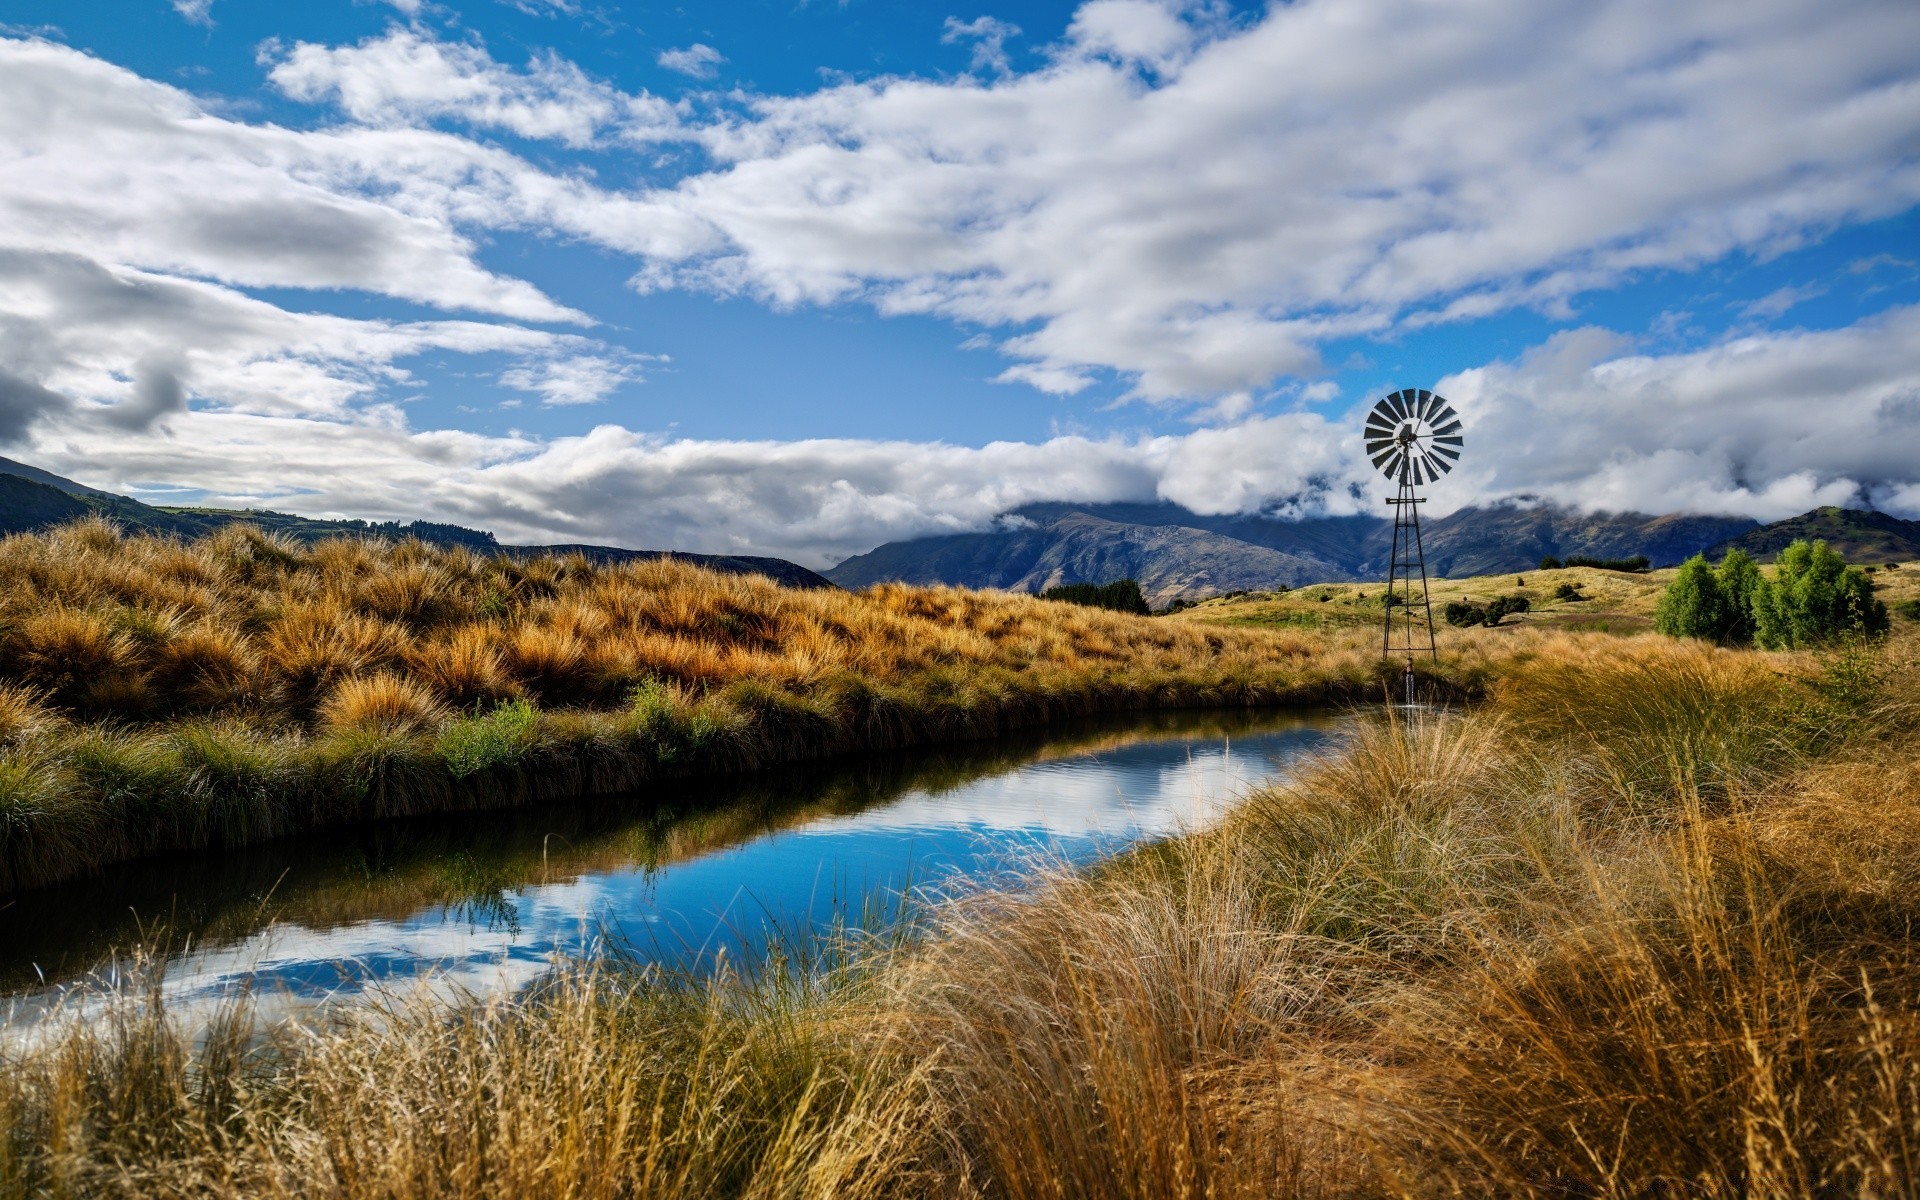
(212, 693)
(1596, 938)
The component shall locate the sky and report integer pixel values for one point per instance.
(798, 277)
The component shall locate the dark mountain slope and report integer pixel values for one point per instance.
(1860, 535)
(1175, 553)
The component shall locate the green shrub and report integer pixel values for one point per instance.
(1464, 616)
(1549, 563)
(1568, 591)
(494, 739)
(1500, 606)
(1122, 595)
(1814, 598)
(1910, 609)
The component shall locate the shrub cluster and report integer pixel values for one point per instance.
(1465, 615)
(1122, 595)
(1813, 598)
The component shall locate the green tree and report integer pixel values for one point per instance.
(1740, 581)
(1693, 606)
(1814, 597)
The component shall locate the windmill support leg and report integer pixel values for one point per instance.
(1408, 564)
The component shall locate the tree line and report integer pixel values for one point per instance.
(1813, 598)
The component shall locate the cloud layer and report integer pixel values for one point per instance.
(1192, 205)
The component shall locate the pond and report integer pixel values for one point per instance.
(681, 875)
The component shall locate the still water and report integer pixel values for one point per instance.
(680, 875)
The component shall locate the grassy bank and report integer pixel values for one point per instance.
(159, 696)
(1642, 925)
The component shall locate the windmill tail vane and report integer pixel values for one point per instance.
(1413, 438)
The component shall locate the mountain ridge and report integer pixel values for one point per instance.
(1176, 553)
(32, 499)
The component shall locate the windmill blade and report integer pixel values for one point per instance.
(1379, 426)
(1446, 454)
(1395, 461)
(1443, 412)
(1429, 403)
(1437, 466)
(1396, 406)
(1381, 456)
(1449, 429)
(1456, 440)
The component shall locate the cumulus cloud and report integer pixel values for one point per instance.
(407, 77)
(698, 60)
(1334, 169)
(1768, 425)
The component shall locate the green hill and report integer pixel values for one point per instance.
(1862, 536)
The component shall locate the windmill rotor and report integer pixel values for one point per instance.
(1413, 436)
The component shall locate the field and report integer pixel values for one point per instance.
(159, 695)
(1639, 925)
(1618, 602)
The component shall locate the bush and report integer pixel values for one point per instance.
(1815, 597)
(1502, 605)
(1549, 563)
(1122, 595)
(1568, 591)
(1910, 609)
(1636, 564)
(1464, 616)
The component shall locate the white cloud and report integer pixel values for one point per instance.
(1767, 425)
(989, 38)
(1336, 168)
(576, 378)
(407, 77)
(698, 60)
(197, 12)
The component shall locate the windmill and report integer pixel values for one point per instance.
(1413, 436)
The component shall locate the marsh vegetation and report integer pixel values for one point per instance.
(1638, 925)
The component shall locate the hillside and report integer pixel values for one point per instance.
(1861, 535)
(32, 499)
(1179, 554)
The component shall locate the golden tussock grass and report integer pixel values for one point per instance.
(1618, 946)
(376, 669)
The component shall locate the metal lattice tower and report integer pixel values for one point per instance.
(1413, 437)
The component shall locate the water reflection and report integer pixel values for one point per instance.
(485, 901)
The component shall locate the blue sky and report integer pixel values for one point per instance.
(798, 278)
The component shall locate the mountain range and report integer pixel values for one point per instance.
(33, 499)
(1176, 553)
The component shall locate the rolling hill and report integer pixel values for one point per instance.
(1861, 535)
(32, 499)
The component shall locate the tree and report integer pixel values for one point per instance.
(1739, 581)
(1814, 597)
(1693, 605)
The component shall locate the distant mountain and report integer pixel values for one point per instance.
(1861, 536)
(32, 499)
(1176, 553)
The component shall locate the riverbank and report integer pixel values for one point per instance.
(159, 696)
(1639, 925)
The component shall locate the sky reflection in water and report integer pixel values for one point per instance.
(481, 903)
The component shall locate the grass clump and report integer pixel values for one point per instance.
(485, 741)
